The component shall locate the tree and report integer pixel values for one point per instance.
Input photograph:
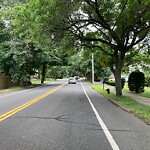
(113, 27)
(119, 32)
(19, 60)
(25, 54)
(4, 47)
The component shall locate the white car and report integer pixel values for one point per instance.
(72, 80)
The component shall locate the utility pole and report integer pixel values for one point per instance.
(92, 68)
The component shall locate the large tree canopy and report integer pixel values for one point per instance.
(113, 27)
(20, 54)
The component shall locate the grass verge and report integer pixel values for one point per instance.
(145, 94)
(11, 89)
(17, 88)
(127, 103)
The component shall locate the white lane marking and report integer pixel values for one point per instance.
(102, 124)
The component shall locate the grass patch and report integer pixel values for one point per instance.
(38, 81)
(145, 94)
(11, 89)
(135, 107)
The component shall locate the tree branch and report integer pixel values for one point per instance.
(97, 46)
(100, 40)
(134, 41)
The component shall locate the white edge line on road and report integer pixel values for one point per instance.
(102, 124)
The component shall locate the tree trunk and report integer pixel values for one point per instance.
(44, 67)
(118, 81)
(117, 72)
(39, 73)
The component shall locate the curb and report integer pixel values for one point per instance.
(124, 108)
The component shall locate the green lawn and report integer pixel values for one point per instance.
(38, 81)
(138, 109)
(145, 94)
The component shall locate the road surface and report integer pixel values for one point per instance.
(63, 116)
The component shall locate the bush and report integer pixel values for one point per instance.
(106, 79)
(136, 82)
(112, 83)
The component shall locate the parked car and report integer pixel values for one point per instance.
(72, 80)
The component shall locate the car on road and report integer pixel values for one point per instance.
(72, 80)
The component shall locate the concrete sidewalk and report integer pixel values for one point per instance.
(140, 99)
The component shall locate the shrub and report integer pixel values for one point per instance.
(106, 79)
(136, 82)
(112, 83)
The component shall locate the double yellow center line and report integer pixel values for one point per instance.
(14, 111)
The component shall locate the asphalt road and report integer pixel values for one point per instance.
(67, 117)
